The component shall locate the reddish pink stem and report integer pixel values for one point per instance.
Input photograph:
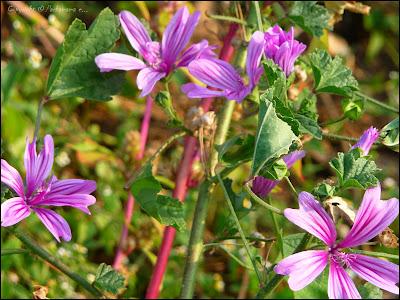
(181, 181)
(144, 132)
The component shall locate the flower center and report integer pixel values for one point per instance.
(153, 56)
(39, 194)
(341, 258)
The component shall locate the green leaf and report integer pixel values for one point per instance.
(10, 74)
(323, 191)
(390, 135)
(73, 72)
(276, 171)
(307, 104)
(108, 279)
(290, 243)
(307, 115)
(236, 149)
(353, 107)
(370, 291)
(236, 199)
(355, 171)
(163, 99)
(275, 77)
(274, 136)
(316, 289)
(310, 16)
(165, 209)
(308, 125)
(330, 75)
(282, 109)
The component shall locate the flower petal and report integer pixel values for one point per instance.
(313, 218)
(177, 35)
(367, 139)
(263, 186)
(254, 53)
(107, 62)
(302, 267)
(373, 216)
(30, 158)
(13, 211)
(72, 186)
(79, 201)
(340, 285)
(147, 79)
(292, 157)
(196, 51)
(216, 73)
(135, 32)
(379, 272)
(195, 91)
(38, 167)
(56, 224)
(11, 177)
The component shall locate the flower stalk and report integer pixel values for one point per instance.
(195, 246)
(181, 181)
(42, 102)
(46, 256)
(144, 132)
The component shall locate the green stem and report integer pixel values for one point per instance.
(375, 254)
(250, 238)
(331, 122)
(378, 103)
(223, 125)
(39, 117)
(276, 279)
(278, 230)
(196, 235)
(13, 251)
(39, 251)
(239, 227)
(227, 18)
(337, 137)
(234, 257)
(260, 201)
(195, 247)
(258, 13)
(154, 156)
(291, 186)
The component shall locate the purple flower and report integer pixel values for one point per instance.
(372, 218)
(262, 186)
(367, 140)
(221, 76)
(41, 190)
(282, 48)
(160, 60)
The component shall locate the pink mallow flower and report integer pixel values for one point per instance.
(40, 190)
(282, 48)
(373, 216)
(367, 139)
(223, 78)
(159, 60)
(262, 186)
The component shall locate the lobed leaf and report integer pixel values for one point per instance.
(165, 209)
(310, 16)
(73, 72)
(390, 135)
(354, 171)
(108, 279)
(331, 75)
(274, 136)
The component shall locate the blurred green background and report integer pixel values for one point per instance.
(98, 141)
